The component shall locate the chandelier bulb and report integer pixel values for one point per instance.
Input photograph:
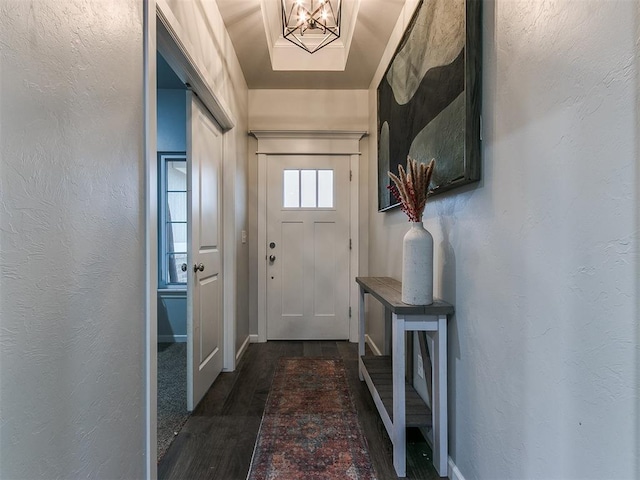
(318, 16)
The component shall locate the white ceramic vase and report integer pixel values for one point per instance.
(417, 266)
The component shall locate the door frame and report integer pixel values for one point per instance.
(311, 142)
(162, 32)
(172, 43)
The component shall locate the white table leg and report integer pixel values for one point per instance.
(439, 403)
(361, 332)
(386, 346)
(399, 438)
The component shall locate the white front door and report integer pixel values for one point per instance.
(204, 283)
(308, 247)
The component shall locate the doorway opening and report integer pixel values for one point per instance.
(308, 214)
(171, 110)
(205, 121)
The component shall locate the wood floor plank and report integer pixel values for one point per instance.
(217, 441)
(291, 348)
(312, 349)
(248, 395)
(330, 349)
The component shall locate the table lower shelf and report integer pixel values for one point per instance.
(378, 373)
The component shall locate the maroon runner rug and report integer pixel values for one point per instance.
(310, 427)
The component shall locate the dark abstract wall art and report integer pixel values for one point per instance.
(429, 98)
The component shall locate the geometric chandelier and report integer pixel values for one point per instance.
(311, 24)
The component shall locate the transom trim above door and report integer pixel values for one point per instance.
(344, 148)
(308, 142)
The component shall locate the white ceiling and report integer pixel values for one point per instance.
(373, 26)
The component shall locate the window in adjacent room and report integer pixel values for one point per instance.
(172, 214)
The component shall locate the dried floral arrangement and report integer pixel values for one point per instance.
(412, 187)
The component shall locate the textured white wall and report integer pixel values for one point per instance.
(541, 257)
(308, 110)
(71, 240)
(213, 51)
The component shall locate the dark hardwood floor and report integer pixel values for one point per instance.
(217, 441)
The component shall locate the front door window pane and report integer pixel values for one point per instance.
(325, 188)
(308, 189)
(292, 188)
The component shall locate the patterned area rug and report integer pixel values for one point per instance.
(310, 426)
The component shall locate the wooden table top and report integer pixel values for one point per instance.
(388, 291)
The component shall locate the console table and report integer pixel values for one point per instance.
(399, 405)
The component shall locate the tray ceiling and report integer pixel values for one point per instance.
(269, 61)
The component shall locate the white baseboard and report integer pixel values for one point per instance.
(372, 345)
(243, 348)
(454, 473)
(367, 338)
(172, 338)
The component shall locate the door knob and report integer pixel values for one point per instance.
(183, 267)
(198, 267)
(272, 258)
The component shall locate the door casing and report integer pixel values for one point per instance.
(172, 43)
(307, 143)
(170, 40)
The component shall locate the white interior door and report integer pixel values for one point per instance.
(204, 283)
(308, 247)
